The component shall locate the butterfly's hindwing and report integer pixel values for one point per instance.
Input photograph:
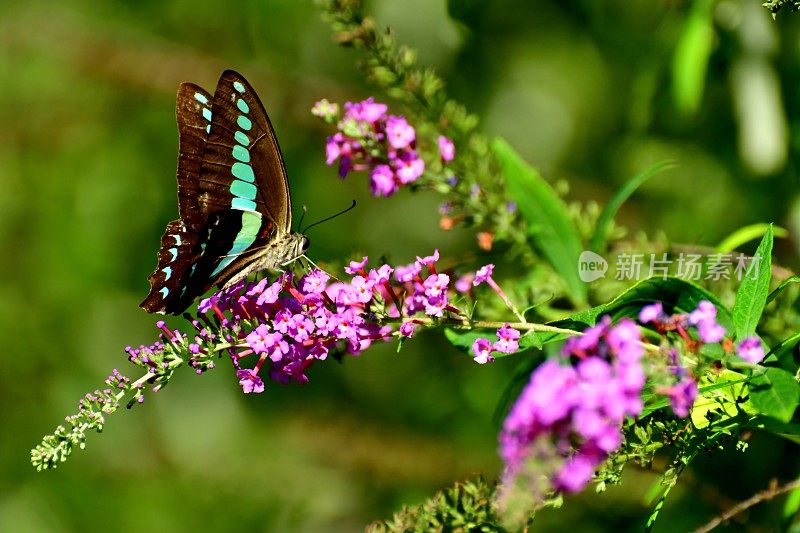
(175, 261)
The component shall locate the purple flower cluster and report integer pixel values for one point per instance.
(290, 323)
(370, 139)
(683, 390)
(507, 342)
(577, 404)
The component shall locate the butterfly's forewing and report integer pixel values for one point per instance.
(242, 163)
(243, 189)
(193, 112)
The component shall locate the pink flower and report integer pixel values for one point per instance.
(407, 329)
(464, 283)
(651, 313)
(447, 149)
(508, 340)
(399, 132)
(482, 351)
(409, 167)
(483, 274)
(249, 381)
(333, 148)
(382, 182)
(356, 266)
(429, 259)
(436, 285)
(367, 110)
(682, 396)
(751, 350)
(407, 273)
(575, 474)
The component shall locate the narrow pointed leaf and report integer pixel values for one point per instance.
(550, 227)
(597, 242)
(746, 234)
(752, 294)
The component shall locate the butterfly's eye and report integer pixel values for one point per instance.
(306, 243)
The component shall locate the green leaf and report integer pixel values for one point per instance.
(775, 393)
(785, 283)
(787, 430)
(531, 340)
(752, 294)
(550, 227)
(690, 61)
(784, 354)
(623, 193)
(746, 234)
(677, 294)
(463, 339)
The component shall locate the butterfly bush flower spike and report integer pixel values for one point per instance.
(575, 406)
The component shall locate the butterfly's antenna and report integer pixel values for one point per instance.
(342, 212)
(300, 224)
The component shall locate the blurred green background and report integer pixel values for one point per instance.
(590, 92)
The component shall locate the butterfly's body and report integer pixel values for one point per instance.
(233, 196)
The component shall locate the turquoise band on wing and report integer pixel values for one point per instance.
(240, 153)
(242, 189)
(243, 171)
(251, 225)
(243, 204)
(242, 105)
(241, 138)
(244, 123)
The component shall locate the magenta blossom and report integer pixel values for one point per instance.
(751, 350)
(483, 274)
(447, 150)
(399, 133)
(382, 181)
(482, 351)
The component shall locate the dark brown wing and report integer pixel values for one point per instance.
(193, 112)
(242, 164)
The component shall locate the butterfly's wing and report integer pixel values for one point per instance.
(243, 188)
(182, 237)
(193, 112)
(237, 208)
(242, 164)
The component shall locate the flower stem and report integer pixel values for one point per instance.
(465, 323)
(505, 299)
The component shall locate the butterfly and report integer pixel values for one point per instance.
(233, 197)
